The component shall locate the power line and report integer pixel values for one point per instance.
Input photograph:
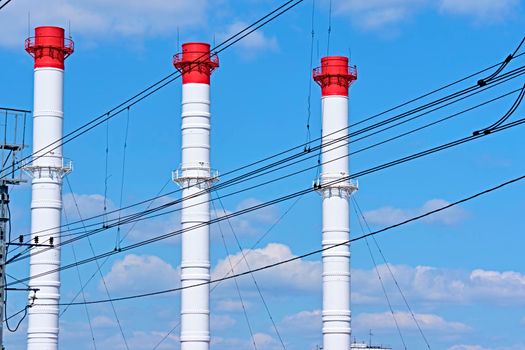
(507, 60)
(331, 149)
(166, 336)
(318, 251)
(235, 280)
(382, 122)
(98, 268)
(106, 178)
(255, 245)
(117, 110)
(367, 119)
(381, 282)
(309, 99)
(15, 110)
(5, 4)
(249, 175)
(362, 173)
(249, 268)
(286, 197)
(329, 29)
(150, 90)
(80, 281)
(122, 178)
(506, 115)
(392, 274)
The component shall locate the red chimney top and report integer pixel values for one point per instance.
(195, 63)
(335, 75)
(49, 47)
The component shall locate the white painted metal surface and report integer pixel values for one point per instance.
(195, 177)
(46, 205)
(336, 226)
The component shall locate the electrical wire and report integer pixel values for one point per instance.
(222, 44)
(80, 281)
(507, 60)
(4, 280)
(318, 251)
(329, 29)
(506, 116)
(16, 279)
(106, 178)
(98, 268)
(255, 245)
(166, 336)
(228, 256)
(381, 282)
(243, 177)
(392, 275)
(122, 178)
(150, 90)
(5, 4)
(351, 153)
(309, 99)
(507, 76)
(454, 143)
(266, 307)
(288, 196)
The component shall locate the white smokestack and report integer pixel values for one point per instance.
(335, 77)
(49, 48)
(196, 66)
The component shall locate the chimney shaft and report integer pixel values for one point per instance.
(195, 176)
(49, 49)
(335, 76)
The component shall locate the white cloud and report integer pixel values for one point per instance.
(135, 274)
(254, 43)
(303, 322)
(479, 347)
(429, 322)
(221, 322)
(391, 215)
(381, 14)
(103, 19)
(467, 347)
(103, 322)
(89, 205)
(297, 275)
(248, 224)
(266, 342)
(157, 226)
(430, 284)
(481, 10)
(140, 340)
(376, 14)
(230, 305)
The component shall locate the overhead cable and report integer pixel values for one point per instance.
(282, 198)
(243, 177)
(318, 251)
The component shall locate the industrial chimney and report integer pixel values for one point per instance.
(335, 76)
(49, 49)
(195, 177)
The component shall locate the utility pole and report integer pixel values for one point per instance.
(9, 175)
(4, 217)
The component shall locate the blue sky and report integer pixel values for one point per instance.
(462, 271)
